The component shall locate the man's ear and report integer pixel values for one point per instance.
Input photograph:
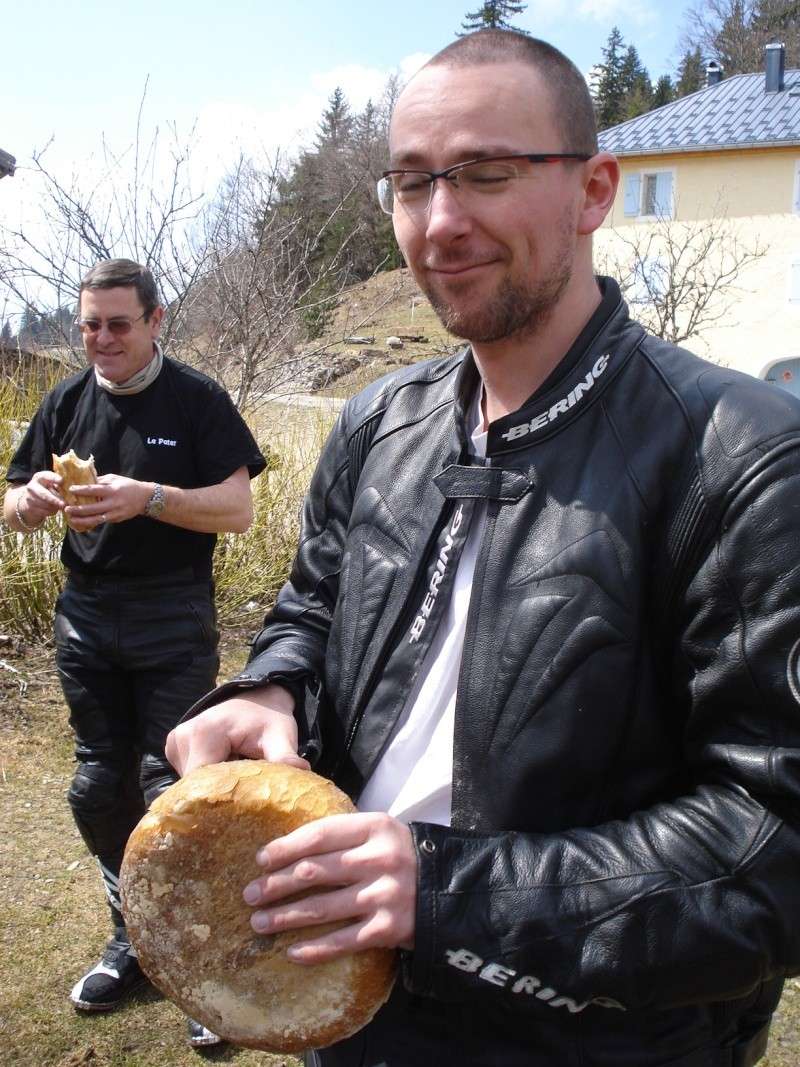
(156, 317)
(600, 188)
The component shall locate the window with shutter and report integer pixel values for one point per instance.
(796, 197)
(648, 194)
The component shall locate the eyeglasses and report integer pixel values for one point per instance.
(413, 189)
(119, 327)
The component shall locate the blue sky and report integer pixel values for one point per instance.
(77, 71)
(233, 78)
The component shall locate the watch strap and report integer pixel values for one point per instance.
(155, 505)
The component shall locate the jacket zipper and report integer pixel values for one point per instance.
(471, 628)
(394, 633)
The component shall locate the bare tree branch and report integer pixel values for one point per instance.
(681, 277)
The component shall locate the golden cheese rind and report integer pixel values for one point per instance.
(185, 866)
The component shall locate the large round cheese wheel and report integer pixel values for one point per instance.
(185, 866)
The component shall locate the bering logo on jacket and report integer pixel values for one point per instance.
(561, 407)
(421, 621)
(507, 978)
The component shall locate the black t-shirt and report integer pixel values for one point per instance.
(183, 430)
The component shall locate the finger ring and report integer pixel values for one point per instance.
(103, 518)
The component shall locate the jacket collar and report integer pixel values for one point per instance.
(593, 361)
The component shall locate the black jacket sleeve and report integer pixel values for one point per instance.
(35, 450)
(695, 899)
(290, 648)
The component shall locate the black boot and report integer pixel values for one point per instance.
(113, 979)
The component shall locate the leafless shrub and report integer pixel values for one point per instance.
(680, 277)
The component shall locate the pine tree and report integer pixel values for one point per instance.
(336, 122)
(734, 32)
(778, 20)
(610, 83)
(664, 92)
(691, 73)
(31, 326)
(735, 48)
(6, 335)
(331, 189)
(493, 14)
(776, 16)
(636, 86)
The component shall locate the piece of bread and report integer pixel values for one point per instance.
(74, 471)
(185, 867)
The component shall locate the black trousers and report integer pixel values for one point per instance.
(132, 656)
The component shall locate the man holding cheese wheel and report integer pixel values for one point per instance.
(543, 625)
(135, 626)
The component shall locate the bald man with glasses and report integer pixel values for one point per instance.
(546, 601)
(135, 625)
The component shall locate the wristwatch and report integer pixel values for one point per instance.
(155, 505)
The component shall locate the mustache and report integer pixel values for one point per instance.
(458, 261)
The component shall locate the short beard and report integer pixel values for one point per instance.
(514, 311)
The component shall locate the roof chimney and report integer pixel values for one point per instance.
(713, 73)
(775, 61)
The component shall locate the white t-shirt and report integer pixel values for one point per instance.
(413, 779)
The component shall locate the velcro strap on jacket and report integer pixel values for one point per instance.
(461, 482)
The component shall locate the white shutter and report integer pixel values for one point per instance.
(796, 199)
(633, 192)
(664, 194)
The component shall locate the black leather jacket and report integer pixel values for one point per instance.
(621, 880)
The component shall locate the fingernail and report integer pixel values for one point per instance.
(262, 857)
(252, 894)
(259, 920)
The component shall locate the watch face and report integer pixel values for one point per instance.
(155, 505)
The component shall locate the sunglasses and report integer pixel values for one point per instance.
(118, 327)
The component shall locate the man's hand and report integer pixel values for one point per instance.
(118, 499)
(365, 868)
(39, 499)
(257, 725)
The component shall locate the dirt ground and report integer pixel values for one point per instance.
(53, 917)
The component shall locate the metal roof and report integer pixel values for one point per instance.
(737, 112)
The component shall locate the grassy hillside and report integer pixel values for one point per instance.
(389, 305)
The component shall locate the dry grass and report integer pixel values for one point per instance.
(30, 574)
(250, 568)
(389, 304)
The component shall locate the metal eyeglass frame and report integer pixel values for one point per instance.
(385, 190)
(119, 326)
